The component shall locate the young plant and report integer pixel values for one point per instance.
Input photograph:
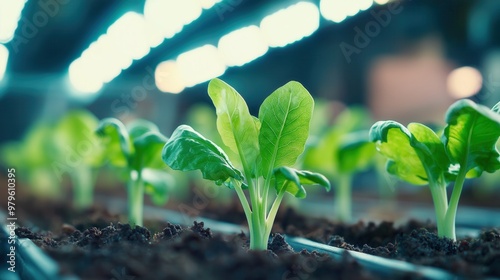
(416, 154)
(341, 152)
(136, 151)
(265, 147)
(32, 156)
(79, 154)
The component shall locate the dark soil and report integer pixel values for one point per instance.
(120, 252)
(87, 244)
(416, 242)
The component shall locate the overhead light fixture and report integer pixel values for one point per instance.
(200, 65)
(290, 24)
(10, 13)
(170, 16)
(339, 10)
(4, 58)
(168, 77)
(242, 46)
(464, 82)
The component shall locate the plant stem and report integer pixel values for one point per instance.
(440, 200)
(453, 206)
(343, 199)
(135, 198)
(83, 189)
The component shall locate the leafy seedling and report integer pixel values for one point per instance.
(32, 156)
(417, 155)
(266, 147)
(136, 150)
(79, 154)
(343, 150)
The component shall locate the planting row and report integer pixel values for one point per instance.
(258, 157)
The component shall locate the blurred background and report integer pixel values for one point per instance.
(403, 60)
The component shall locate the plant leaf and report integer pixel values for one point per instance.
(139, 127)
(76, 131)
(355, 152)
(394, 141)
(236, 126)
(293, 180)
(115, 138)
(471, 136)
(148, 149)
(157, 184)
(188, 150)
(285, 116)
(322, 154)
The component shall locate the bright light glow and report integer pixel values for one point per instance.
(81, 78)
(170, 16)
(381, 2)
(207, 4)
(10, 13)
(4, 58)
(464, 82)
(130, 33)
(338, 10)
(200, 65)
(242, 46)
(290, 24)
(168, 77)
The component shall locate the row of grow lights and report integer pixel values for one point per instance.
(133, 35)
(10, 13)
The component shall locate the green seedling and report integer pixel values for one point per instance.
(136, 150)
(343, 150)
(466, 148)
(79, 154)
(266, 147)
(33, 156)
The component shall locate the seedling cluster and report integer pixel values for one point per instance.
(466, 148)
(266, 148)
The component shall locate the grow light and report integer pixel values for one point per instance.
(464, 82)
(338, 10)
(200, 65)
(130, 38)
(10, 13)
(170, 16)
(168, 77)
(4, 57)
(290, 24)
(242, 46)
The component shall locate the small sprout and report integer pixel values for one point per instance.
(136, 150)
(33, 157)
(417, 155)
(342, 151)
(79, 154)
(265, 148)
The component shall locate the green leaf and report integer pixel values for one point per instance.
(236, 126)
(139, 127)
(321, 154)
(471, 136)
(394, 141)
(285, 116)
(76, 131)
(148, 149)
(188, 150)
(157, 184)
(293, 180)
(355, 152)
(115, 138)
